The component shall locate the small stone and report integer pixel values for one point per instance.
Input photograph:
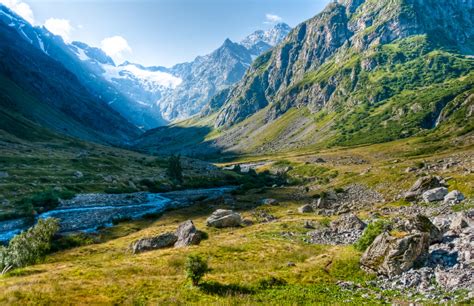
(305, 209)
(78, 174)
(459, 223)
(4, 174)
(454, 197)
(269, 202)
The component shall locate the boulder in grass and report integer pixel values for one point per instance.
(187, 235)
(154, 243)
(222, 218)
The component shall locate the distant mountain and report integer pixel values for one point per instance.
(359, 72)
(36, 87)
(208, 75)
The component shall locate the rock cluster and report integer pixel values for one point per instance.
(185, 235)
(353, 197)
(345, 230)
(448, 263)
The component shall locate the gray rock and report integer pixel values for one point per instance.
(422, 185)
(421, 223)
(187, 235)
(154, 243)
(78, 174)
(224, 218)
(347, 223)
(454, 197)
(434, 195)
(459, 223)
(305, 209)
(4, 174)
(269, 202)
(392, 256)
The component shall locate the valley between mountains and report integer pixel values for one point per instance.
(329, 163)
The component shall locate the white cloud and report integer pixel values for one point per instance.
(116, 47)
(61, 27)
(272, 18)
(21, 8)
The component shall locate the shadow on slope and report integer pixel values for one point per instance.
(189, 141)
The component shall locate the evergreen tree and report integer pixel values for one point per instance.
(175, 171)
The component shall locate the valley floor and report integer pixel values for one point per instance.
(263, 263)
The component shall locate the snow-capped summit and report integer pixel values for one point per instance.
(260, 39)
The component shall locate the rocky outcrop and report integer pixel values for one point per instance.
(159, 242)
(187, 235)
(224, 218)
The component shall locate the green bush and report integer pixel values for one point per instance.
(196, 267)
(370, 233)
(30, 246)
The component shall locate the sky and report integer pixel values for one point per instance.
(161, 32)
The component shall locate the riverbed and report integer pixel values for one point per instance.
(88, 212)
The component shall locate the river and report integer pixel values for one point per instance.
(87, 212)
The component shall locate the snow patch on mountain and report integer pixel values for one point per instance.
(149, 79)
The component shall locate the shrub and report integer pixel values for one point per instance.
(370, 233)
(196, 267)
(30, 246)
(271, 282)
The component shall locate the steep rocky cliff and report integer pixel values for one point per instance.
(345, 31)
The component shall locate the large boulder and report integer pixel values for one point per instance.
(187, 235)
(434, 195)
(154, 243)
(224, 218)
(392, 256)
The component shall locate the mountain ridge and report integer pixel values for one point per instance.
(359, 72)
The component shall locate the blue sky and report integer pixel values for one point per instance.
(162, 32)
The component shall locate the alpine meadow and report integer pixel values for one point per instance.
(241, 152)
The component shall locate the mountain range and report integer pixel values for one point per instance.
(179, 92)
(359, 72)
